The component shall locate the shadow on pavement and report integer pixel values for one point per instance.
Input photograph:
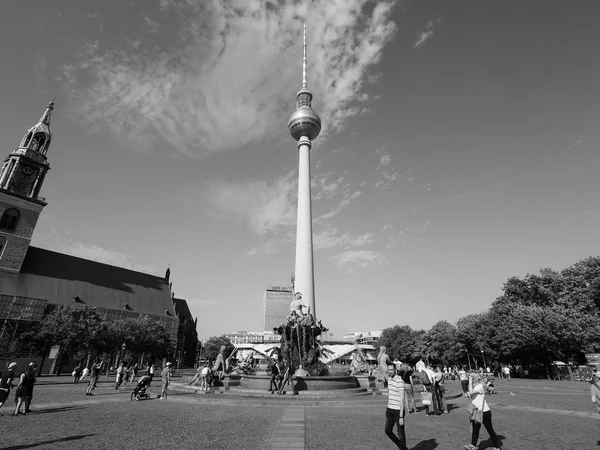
(429, 444)
(488, 442)
(59, 409)
(452, 407)
(54, 441)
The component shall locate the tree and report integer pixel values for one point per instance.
(143, 336)
(402, 342)
(70, 327)
(443, 342)
(213, 345)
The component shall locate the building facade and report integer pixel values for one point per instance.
(276, 302)
(33, 281)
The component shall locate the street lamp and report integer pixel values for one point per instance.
(123, 351)
(483, 358)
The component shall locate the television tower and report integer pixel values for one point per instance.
(304, 126)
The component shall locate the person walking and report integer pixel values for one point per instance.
(427, 378)
(274, 377)
(394, 413)
(94, 375)
(6, 382)
(595, 389)
(119, 376)
(166, 378)
(134, 372)
(477, 393)
(506, 372)
(84, 373)
(439, 391)
(24, 391)
(464, 381)
(406, 373)
(76, 374)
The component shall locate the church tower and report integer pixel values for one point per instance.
(21, 179)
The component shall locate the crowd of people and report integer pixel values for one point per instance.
(400, 379)
(401, 400)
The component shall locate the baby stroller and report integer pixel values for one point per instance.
(491, 389)
(139, 392)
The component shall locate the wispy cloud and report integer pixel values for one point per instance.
(351, 259)
(385, 171)
(575, 144)
(326, 185)
(331, 237)
(588, 213)
(427, 33)
(264, 207)
(228, 71)
(344, 203)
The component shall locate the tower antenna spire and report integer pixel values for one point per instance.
(304, 84)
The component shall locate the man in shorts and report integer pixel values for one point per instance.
(94, 375)
(166, 378)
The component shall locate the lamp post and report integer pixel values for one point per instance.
(122, 353)
(483, 358)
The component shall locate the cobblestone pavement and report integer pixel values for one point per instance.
(540, 415)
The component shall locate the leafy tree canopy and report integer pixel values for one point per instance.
(213, 345)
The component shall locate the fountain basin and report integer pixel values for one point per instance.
(316, 383)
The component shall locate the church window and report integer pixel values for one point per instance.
(38, 141)
(2, 245)
(27, 139)
(45, 149)
(10, 219)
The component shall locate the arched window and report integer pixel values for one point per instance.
(10, 219)
(45, 149)
(27, 139)
(38, 141)
(2, 245)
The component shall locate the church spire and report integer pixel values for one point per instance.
(48, 113)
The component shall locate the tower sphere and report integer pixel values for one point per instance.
(304, 122)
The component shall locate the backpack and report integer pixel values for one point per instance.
(425, 381)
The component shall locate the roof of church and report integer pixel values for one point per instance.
(182, 309)
(58, 278)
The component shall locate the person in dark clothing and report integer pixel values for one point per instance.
(25, 390)
(6, 382)
(274, 377)
(94, 375)
(409, 396)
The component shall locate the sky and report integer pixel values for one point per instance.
(459, 146)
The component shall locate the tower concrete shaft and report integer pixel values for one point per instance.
(305, 273)
(304, 126)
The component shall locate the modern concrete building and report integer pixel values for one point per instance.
(304, 125)
(276, 303)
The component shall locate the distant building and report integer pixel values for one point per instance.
(276, 302)
(363, 337)
(187, 335)
(252, 337)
